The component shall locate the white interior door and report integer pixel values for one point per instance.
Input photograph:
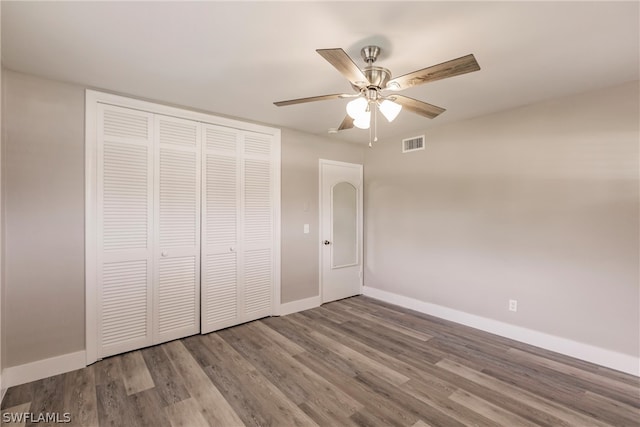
(177, 210)
(124, 257)
(220, 208)
(340, 230)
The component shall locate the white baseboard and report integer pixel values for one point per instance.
(600, 356)
(22, 374)
(299, 305)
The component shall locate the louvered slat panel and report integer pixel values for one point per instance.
(125, 196)
(220, 291)
(178, 198)
(221, 200)
(219, 139)
(257, 144)
(257, 282)
(177, 299)
(258, 222)
(123, 123)
(172, 132)
(124, 311)
(176, 293)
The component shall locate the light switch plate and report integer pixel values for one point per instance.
(306, 229)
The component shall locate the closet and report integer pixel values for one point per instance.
(182, 223)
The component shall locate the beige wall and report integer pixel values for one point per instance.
(43, 166)
(44, 171)
(300, 252)
(538, 204)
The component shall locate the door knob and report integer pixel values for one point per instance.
(164, 253)
(326, 242)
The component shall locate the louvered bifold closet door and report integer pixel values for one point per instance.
(177, 247)
(125, 226)
(220, 231)
(257, 214)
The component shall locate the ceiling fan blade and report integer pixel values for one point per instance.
(418, 107)
(311, 99)
(455, 67)
(347, 123)
(345, 65)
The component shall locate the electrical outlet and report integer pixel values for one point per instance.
(513, 305)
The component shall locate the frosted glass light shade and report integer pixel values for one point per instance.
(357, 107)
(390, 109)
(363, 120)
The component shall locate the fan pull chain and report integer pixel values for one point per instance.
(375, 123)
(370, 145)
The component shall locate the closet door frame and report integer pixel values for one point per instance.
(92, 100)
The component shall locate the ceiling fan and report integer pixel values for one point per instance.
(372, 82)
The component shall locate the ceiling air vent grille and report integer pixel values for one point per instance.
(413, 144)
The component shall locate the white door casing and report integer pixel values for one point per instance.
(341, 201)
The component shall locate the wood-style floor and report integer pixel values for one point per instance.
(352, 362)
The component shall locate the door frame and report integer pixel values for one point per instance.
(359, 167)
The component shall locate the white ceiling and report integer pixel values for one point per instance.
(237, 58)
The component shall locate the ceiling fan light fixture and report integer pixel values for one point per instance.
(357, 107)
(363, 120)
(389, 109)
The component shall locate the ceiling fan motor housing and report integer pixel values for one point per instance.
(370, 54)
(377, 76)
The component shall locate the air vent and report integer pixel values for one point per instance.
(413, 144)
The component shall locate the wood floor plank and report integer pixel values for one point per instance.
(562, 415)
(489, 410)
(353, 362)
(135, 374)
(324, 417)
(626, 413)
(18, 395)
(289, 329)
(114, 409)
(347, 314)
(340, 335)
(107, 370)
(80, 399)
(409, 403)
(616, 389)
(147, 408)
(388, 341)
(376, 406)
(357, 359)
(46, 397)
(445, 405)
(167, 382)
(186, 413)
(300, 384)
(256, 400)
(575, 399)
(278, 340)
(214, 407)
